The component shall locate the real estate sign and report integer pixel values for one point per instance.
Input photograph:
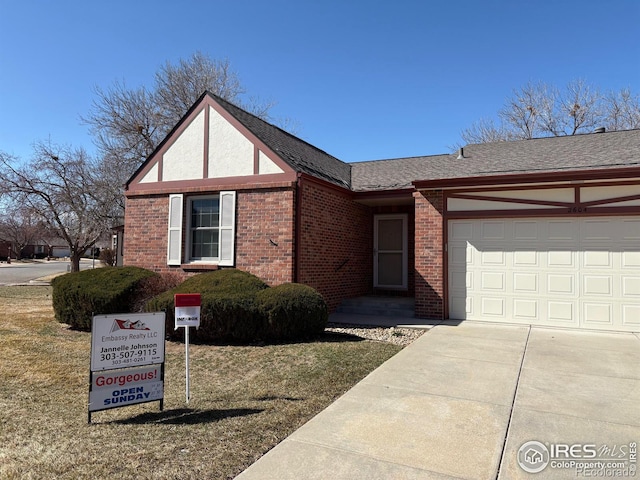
(126, 340)
(127, 360)
(118, 388)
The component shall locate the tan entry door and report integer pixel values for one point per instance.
(390, 251)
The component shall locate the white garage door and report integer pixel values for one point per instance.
(569, 272)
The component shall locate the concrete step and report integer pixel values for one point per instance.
(378, 306)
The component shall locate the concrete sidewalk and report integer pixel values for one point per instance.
(461, 400)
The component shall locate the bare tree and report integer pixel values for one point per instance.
(20, 226)
(541, 110)
(58, 186)
(485, 130)
(128, 124)
(622, 110)
(179, 86)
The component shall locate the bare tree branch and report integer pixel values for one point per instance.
(540, 110)
(58, 186)
(129, 124)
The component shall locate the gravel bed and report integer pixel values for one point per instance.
(398, 336)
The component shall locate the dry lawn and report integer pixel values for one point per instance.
(244, 400)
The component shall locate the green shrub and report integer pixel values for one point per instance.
(239, 307)
(228, 306)
(78, 296)
(292, 311)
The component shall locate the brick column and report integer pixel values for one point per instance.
(429, 273)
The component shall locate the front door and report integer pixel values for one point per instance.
(390, 251)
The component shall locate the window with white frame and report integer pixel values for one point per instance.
(204, 228)
(209, 229)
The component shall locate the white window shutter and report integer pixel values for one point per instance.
(227, 228)
(174, 237)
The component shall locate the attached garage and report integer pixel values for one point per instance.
(538, 232)
(559, 254)
(567, 272)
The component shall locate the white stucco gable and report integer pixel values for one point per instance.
(183, 159)
(209, 143)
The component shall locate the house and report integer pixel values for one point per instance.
(543, 231)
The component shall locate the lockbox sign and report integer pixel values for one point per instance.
(127, 340)
(187, 309)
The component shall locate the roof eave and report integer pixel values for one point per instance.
(525, 178)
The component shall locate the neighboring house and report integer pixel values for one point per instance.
(36, 250)
(543, 231)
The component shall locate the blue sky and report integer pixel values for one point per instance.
(363, 80)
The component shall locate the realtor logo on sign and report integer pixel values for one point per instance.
(187, 309)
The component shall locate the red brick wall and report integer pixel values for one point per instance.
(145, 233)
(429, 262)
(265, 234)
(262, 217)
(336, 244)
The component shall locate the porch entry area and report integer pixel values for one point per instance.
(390, 256)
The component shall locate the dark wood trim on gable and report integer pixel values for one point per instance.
(248, 134)
(250, 182)
(526, 178)
(489, 198)
(205, 153)
(256, 160)
(204, 103)
(577, 207)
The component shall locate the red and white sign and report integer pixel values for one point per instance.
(187, 309)
(118, 388)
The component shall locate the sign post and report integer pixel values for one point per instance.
(187, 315)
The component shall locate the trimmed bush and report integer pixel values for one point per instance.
(78, 296)
(228, 310)
(293, 311)
(239, 307)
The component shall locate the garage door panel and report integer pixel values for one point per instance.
(571, 272)
(597, 314)
(630, 229)
(630, 259)
(561, 313)
(493, 307)
(630, 286)
(602, 230)
(525, 309)
(631, 315)
(560, 259)
(493, 281)
(597, 285)
(525, 283)
(597, 259)
(525, 231)
(562, 230)
(560, 284)
(493, 231)
(493, 258)
(461, 231)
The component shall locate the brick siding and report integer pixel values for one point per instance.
(264, 234)
(336, 243)
(429, 263)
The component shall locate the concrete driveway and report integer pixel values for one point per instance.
(479, 401)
